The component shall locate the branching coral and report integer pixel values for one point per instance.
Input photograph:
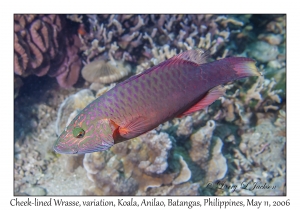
(238, 107)
(142, 37)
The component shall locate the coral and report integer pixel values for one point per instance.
(36, 191)
(217, 166)
(104, 90)
(180, 156)
(106, 171)
(224, 21)
(233, 109)
(185, 127)
(277, 26)
(238, 107)
(100, 71)
(185, 173)
(69, 69)
(280, 123)
(40, 48)
(262, 91)
(185, 189)
(159, 146)
(180, 189)
(75, 18)
(261, 158)
(262, 51)
(241, 161)
(201, 140)
(149, 39)
(272, 39)
(130, 167)
(262, 144)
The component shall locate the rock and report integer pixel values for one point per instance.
(35, 190)
(273, 39)
(262, 51)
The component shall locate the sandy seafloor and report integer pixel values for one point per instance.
(235, 147)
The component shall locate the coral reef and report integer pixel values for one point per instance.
(150, 39)
(241, 138)
(261, 155)
(263, 52)
(180, 189)
(217, 167)
(100, 71)
(185, 173)
(130, 167)
(185, 127)
(40, 48)
(201, 143)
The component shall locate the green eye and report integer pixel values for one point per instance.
(78, 132)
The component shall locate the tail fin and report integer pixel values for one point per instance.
(244, 67)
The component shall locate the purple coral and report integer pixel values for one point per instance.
(40, 48)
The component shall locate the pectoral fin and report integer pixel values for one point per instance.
(134, 128)
(207, 100)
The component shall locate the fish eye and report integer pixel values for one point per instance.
(78, 132)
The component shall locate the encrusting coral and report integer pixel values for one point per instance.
(185, 127)
(100, 71)
(185, 173)
(139, 164)
(201, 140)
(217, 166)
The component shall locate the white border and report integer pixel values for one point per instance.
(8, 8)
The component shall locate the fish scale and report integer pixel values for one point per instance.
(176, 87)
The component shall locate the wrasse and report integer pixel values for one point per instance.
(176, 87)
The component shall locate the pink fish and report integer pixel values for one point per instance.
(176, 87)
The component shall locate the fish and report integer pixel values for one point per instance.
(177, 87)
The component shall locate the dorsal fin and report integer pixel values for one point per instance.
(198, 56)
(192, 57)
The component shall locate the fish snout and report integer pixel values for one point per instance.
(64, 149)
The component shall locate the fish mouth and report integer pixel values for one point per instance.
(62, 149)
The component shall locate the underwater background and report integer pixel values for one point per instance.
(235, 147)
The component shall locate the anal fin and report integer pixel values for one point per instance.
(207, 100)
